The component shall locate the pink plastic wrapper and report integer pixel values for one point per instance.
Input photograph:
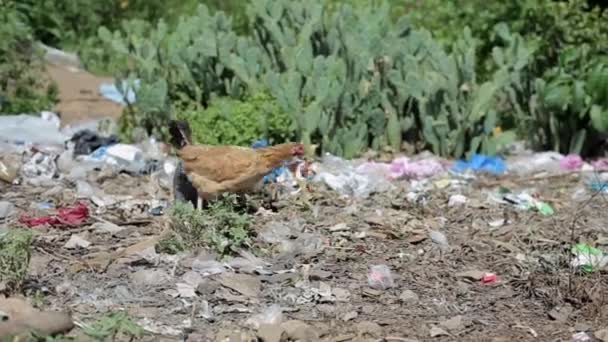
(600, 165)
(380, 277)
(415, 169)
(571, 162)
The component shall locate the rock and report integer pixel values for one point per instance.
(369, 328)
(106, 228)
(560, 314)
(244, 284)
(186, 290)
(440, 239)
(300, 331)
(193, 278)
(76, 241)
(349, 316)
(471, 275)
(457, 200)
(342, 295)
(339, 227)
(207, 287)
(150, 277)
(6, 209)
(601, 335)
(270, 333)
(320, 275)
(437, 331)
(454, 324)
(408, 296)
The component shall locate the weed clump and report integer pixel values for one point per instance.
(220, 227)
(15, 254)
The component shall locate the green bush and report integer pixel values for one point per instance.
(23, 88)
(236, 122)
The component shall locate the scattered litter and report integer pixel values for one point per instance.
(581, 337)
(588, 258)
(65, 216)
(489, 278)
(457, 200)
(571, 162)
(526, 201)
(87, 142)
(415, 169)
(9, 169)
(481, 163)
(532, 163)
(600, 164)
(6, 209)
(76, 241)
(440, 239)
(380, 277)
(39, 168)
(343, 177)
(272, 315)
(26, 129)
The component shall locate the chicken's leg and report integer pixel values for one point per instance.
(199, 203)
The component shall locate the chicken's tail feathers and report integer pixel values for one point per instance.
(180, 133)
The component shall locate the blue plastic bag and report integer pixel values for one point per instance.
(481, 163)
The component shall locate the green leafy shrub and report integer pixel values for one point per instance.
(236, 122)
(15, 254)
(219, 227)
(23, 87)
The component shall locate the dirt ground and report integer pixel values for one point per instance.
(313, 256)
(79, 97)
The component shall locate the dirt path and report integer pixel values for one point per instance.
(79, 97)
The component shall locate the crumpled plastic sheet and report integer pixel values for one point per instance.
(415, 169)
(110, 92)
(342, 176)
(30, 129)
(571, 162)
(65, 216)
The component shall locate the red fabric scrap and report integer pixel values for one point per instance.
(65, 216)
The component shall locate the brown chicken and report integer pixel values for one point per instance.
(214, 170)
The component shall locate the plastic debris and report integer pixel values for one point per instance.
(29, 129)
(112, 93)
(600, 164)
(6, 209)
(8, 171)
(457, 200)
(571, 162)
(87, 142)
(489, 278)
(415, 169)
(440, 239)
(272, 315)
(380, 277)
(39, 168)
(481, 163)
(526, 201)
(65, 216)
(581, 336)
(588, 258)
(342, 176)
